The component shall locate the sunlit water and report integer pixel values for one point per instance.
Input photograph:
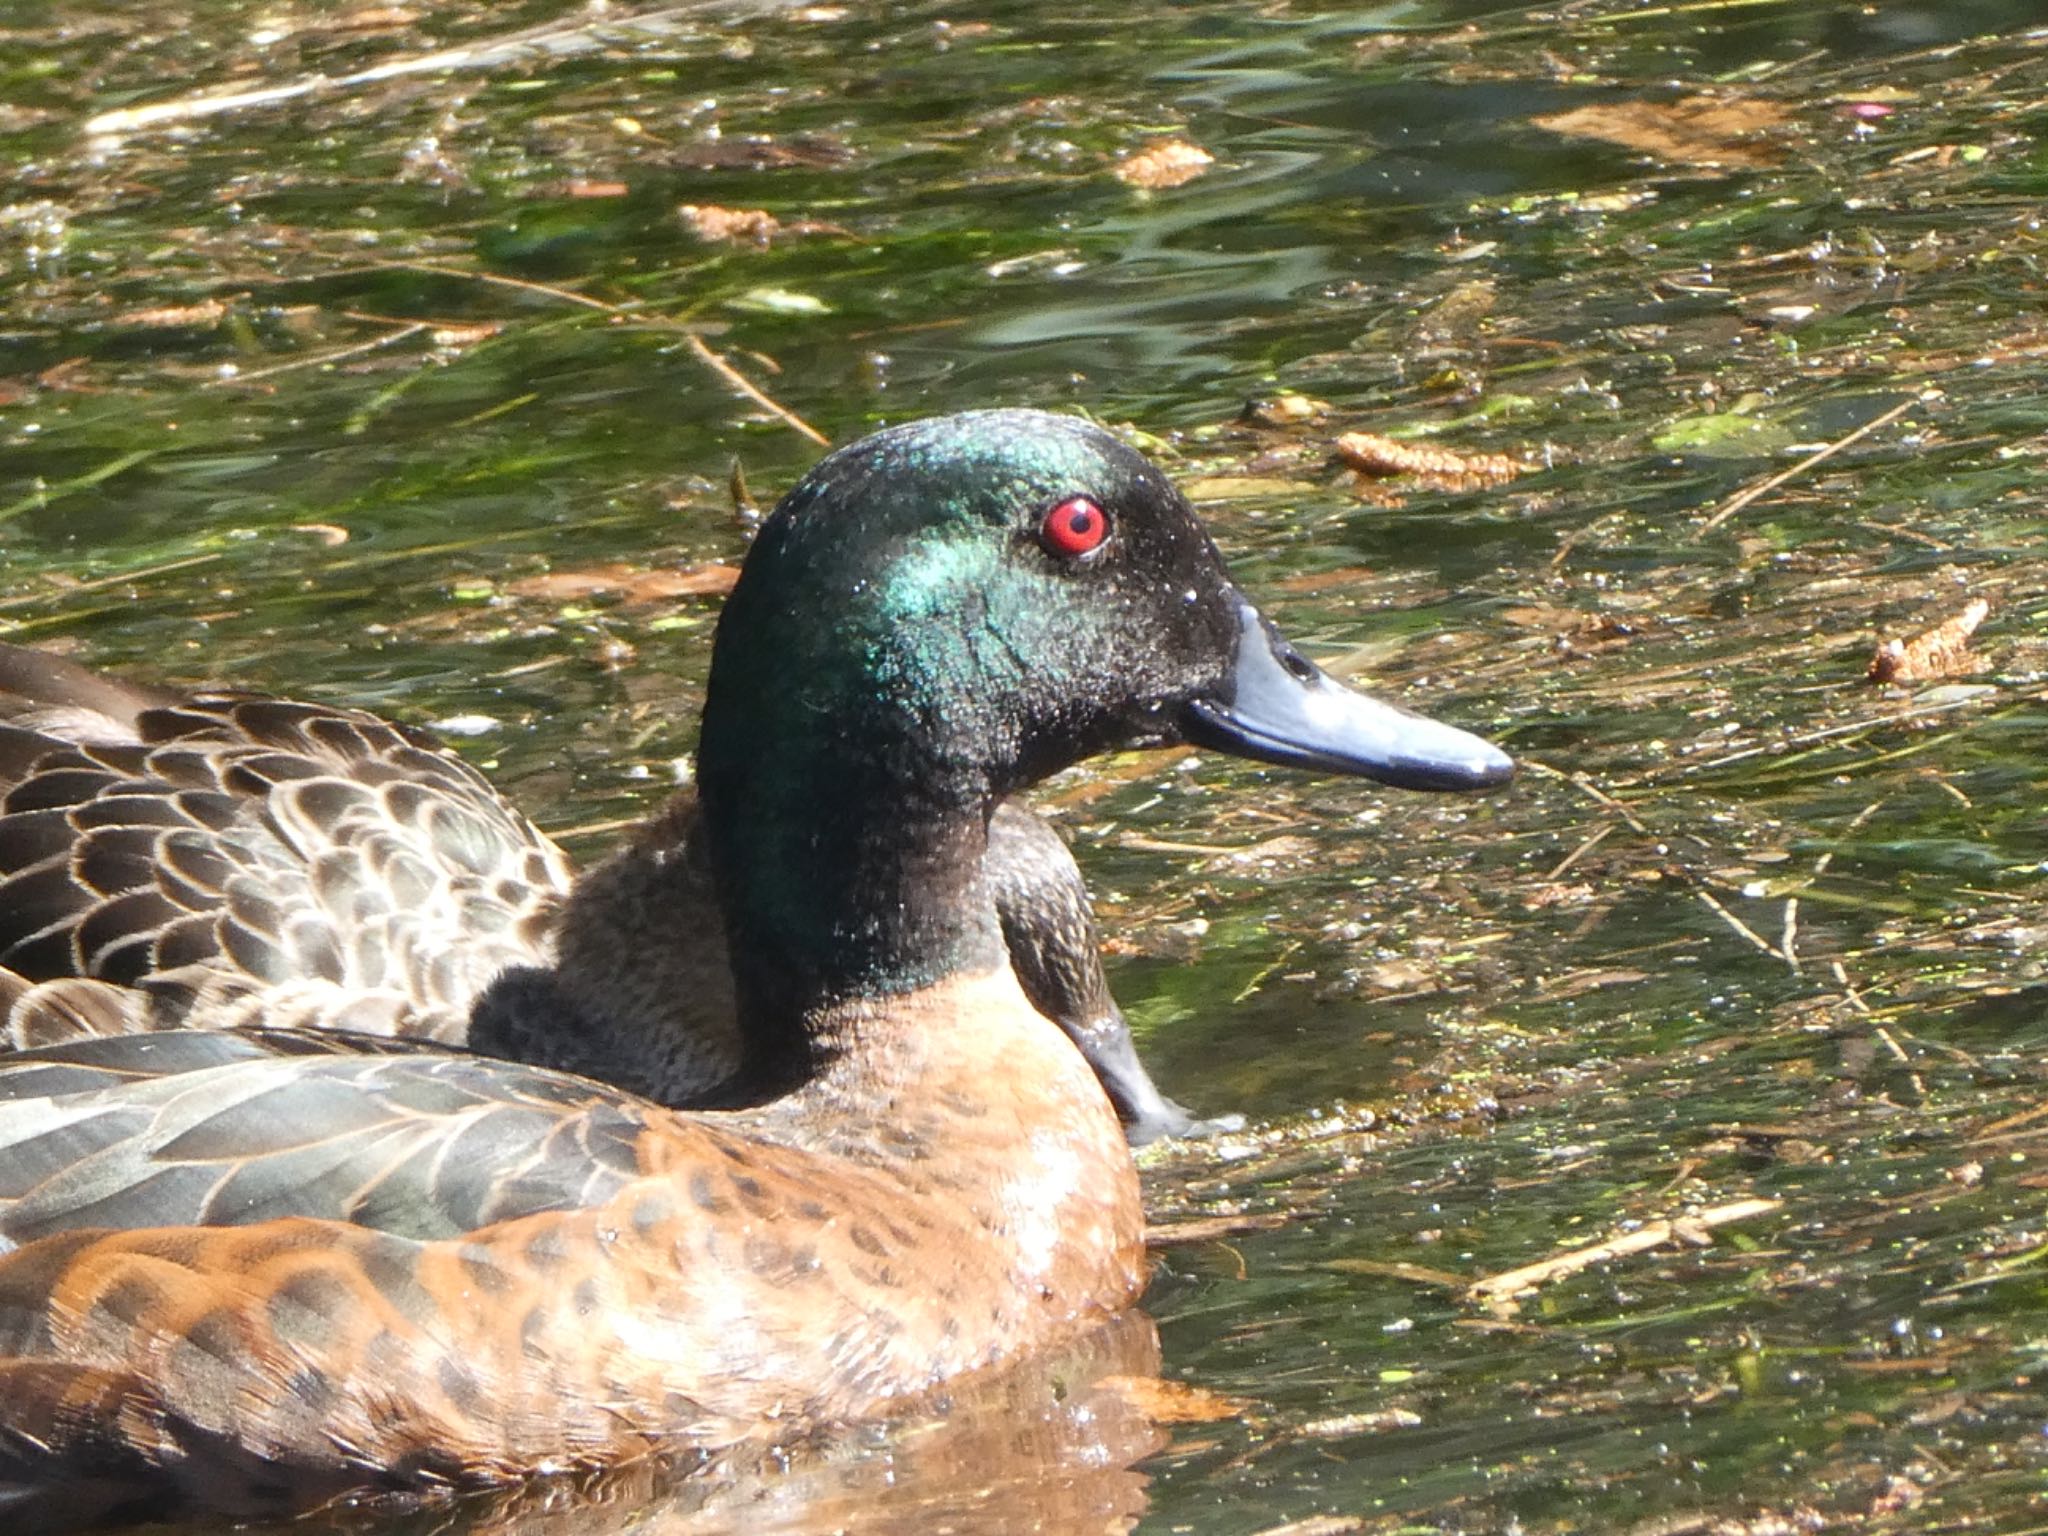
(302, 397)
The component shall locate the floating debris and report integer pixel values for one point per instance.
(1498, 1292)
(465, 725)
(1704, 130)
(1164, 163)
(746, 226)
(629, 583)
(203, 315)
(1943, 651)
(1283, 411)
(1443, 468)
(1175, 1402)
(1344, 1426)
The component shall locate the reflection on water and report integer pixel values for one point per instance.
(1050, 1446)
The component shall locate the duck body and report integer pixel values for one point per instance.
(229, 860)
(251, 1272)
(495, 1270)
(636, 987)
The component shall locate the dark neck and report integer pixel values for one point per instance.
(842, 875)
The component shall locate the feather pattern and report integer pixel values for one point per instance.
(200, 1129)
(245, 1272)
(235, 859)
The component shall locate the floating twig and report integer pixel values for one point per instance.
(1790, 940)
(404, 332)
(43, 495)
(1498, 1291)
(1578, 853)
(1742, 929)
(2004, 1130)
(633, 313)
(1741, 499)
(554, 41)
(118, 578)
(1699, 887)
(1837, 732)
(740, 382)
(1210, 1229)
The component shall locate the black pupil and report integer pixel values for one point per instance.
(1081, 522)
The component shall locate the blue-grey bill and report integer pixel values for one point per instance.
(1277, 706)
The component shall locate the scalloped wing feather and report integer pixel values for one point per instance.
(242, 860)
(208, 1129)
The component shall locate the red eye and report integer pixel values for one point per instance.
(1074, 528)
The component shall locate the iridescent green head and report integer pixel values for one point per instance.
(944, 612)
(906, 603)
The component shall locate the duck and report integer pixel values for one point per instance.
(222, 859)
(250, 1271)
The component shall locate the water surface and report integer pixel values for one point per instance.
(329, 396)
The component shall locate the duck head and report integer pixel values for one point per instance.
(945, 612)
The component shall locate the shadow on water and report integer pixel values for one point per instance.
(371, 393)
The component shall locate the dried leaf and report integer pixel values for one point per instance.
(1443, 468)
(1164, 163)
(453, 338)
(1336, 578)
(629, 583)
(1402, 975)
(1174, 1402)
(747, 226)
(1592, 979)
(1943, 651)
(208, 312)
(1694, 130)
(1284, 411)
(734, 226)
